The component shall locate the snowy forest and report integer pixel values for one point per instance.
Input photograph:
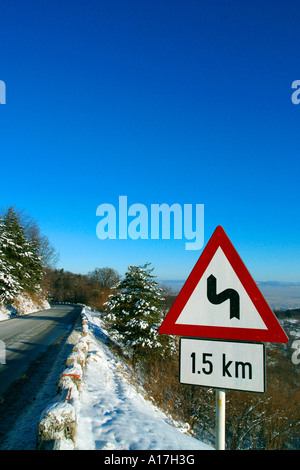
(133, 308)
(24, 256)
(28, 274)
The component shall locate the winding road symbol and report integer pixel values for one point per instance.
(245, 317)
(226, 294)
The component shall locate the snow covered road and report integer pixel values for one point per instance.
(112, 414)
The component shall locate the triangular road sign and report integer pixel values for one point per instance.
(221, 300)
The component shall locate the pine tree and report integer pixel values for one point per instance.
(21, 255)
(9, 284)
(134, 311)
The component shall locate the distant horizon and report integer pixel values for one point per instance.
(279, 295)
(182, 280)
(274, 282)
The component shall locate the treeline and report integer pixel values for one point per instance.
(24, 256)
(27, 266)
(91, 289)
(291, 314)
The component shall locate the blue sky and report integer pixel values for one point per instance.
(163, 101)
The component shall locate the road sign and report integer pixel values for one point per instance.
(221, 300)
(222, 364)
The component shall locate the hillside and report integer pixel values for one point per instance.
(113, 413)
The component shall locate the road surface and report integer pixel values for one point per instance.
(27, 337)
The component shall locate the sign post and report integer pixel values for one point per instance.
(221, 304)
(220, 419)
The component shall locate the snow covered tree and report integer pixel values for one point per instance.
(134, 311)
(21, 255)
(9, 285)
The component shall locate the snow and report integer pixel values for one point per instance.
(41, 391)
(135, 312)
(6, 312)
(57, 411)
(23, 304)
(58, 422)
(112, 414)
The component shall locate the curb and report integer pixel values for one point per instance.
(57, 428)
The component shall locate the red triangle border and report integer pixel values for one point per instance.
(274, 332)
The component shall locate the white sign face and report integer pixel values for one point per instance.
(199, 309)
(222, 364)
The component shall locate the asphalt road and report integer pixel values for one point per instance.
(28, 336)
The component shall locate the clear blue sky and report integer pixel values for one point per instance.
(185, 101)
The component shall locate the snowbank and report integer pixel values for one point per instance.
(7, 312)
(24, 304)
(112, 414)
(57, 427)
(97, 407)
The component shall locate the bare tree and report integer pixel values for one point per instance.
(105, 277)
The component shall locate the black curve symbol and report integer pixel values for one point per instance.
(226, 294)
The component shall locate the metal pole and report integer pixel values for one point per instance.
(220, 419)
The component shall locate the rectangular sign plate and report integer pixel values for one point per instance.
(222, 364)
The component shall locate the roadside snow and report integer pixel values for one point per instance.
(20, 412)
(7, 312)
(23, 305)
(112, 414)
